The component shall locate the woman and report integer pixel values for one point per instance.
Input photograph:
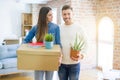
(44, 25)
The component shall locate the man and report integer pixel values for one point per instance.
(70, 66)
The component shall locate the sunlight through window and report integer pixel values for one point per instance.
(105, 43)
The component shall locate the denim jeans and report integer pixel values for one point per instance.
(39, 75)
(69, 72)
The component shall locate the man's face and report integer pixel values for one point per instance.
(67, 16)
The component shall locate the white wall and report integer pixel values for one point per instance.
(10, 18)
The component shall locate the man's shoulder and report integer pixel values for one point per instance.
(62, 26)
(77, 24)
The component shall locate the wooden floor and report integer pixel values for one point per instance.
(85, 75)
(19, 76)
(92, 74)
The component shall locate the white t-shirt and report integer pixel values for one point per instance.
(68, 34)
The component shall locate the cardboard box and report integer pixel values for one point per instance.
(38, 58)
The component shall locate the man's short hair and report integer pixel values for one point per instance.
(65, 7)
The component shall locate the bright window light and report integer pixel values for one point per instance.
(105, 43)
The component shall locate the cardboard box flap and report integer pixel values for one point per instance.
(38, 51)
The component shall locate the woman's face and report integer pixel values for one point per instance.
(49, 16)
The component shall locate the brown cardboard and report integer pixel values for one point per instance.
(38, 58)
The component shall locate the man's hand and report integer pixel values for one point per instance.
(80, 57)
(60, 59)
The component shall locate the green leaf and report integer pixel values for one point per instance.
(49, 37)
(78, 43)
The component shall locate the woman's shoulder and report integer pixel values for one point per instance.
(34, 27)
(53, 24)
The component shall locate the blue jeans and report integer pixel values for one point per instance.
(39, 75)
(70, 72)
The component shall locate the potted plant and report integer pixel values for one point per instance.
(49, 40)
(77, 46)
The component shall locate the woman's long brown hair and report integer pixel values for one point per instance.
(42, 24)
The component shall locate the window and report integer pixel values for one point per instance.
(105, 43)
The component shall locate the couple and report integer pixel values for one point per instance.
(69, 68)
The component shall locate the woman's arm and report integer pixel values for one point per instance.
(30, 35)
(57, 36)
